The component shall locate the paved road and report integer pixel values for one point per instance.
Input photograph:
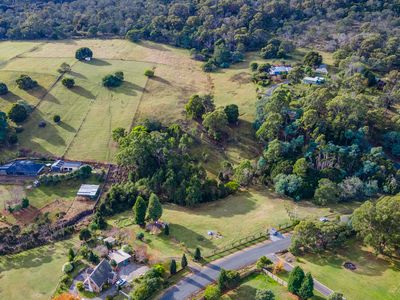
(209, 273)
(324, 290)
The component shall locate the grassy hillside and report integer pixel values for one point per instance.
(89, 111)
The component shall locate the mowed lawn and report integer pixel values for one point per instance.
(374, 278)
(33, 274)
(249, 286)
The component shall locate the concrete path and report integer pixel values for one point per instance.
(324, 290)
(209, 273)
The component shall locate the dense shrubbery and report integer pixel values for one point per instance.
(82, 173)
(151, 282)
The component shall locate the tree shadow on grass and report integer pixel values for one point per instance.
(243, 292)
(77, 75)
(66, 126)
(128, 88)
(10, 97)
(161, 80)
(41, 93)
(153, 46)
(83, 92)
(97, 62)
(190, 238)
(223, 208)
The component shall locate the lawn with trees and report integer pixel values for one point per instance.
(374, 277)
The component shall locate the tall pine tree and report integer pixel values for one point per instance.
(154, 209)
(139, 210)
(307, 287)
(295, 281)
(184, 261)
(197, 254)
(172, 267)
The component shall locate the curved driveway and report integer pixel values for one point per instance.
(209, 273)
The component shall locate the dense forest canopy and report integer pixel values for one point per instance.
(241, 24)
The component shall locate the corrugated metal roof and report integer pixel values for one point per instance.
(89, 190)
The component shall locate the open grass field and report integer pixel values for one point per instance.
(374, 278)
(33, 274)
(235, 217)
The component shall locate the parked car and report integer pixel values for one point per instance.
(121, 282)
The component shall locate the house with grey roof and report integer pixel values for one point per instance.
(65, 166)
(102, 274)
(279, 70)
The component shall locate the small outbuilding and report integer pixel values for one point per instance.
(120, 257)
(89, 191)
(313, 80)
(65, 166)
(110, 240)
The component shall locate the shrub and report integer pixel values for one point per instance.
(149, 73)
(140, 236)
(253, 66)
(127, 249)
(67, 267)
(232, 187)
(228, 279)
(56, 118)
(264, 295)
(80, 286)
(166, 229)
(68, 82)
(25, 203)
(212, 292)
(264, 262)
(134, 35)
(3, 88)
